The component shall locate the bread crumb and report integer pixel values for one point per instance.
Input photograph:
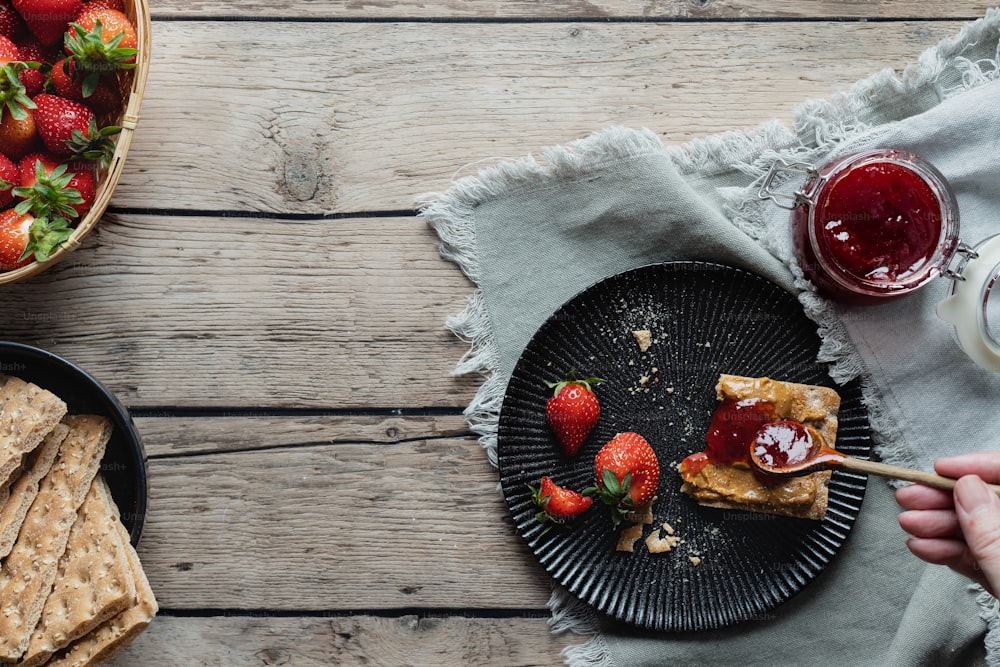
(628, 537)
(695, 560)
(643, 514)
(643, 338)
(657, 544)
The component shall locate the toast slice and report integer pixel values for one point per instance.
(734, 486)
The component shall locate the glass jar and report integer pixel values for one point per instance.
(877, 225)
(870, 226)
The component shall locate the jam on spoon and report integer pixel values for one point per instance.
(789, 448)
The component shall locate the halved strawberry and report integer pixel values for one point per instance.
(628, 474)
(557, 504)
(572, 411)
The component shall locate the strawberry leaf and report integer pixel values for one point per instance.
(45, 237)
(50, 195)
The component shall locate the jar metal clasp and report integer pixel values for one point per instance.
(964, 253)
(785, 200)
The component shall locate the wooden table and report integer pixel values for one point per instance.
(263, 298)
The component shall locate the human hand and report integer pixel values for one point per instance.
(959, 529)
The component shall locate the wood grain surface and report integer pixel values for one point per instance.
(264, 299)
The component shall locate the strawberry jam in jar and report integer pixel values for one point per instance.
(870, 226)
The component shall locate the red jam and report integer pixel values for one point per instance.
(782, 444)
(733, 427)
(879, 225)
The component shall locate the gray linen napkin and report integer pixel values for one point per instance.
(532, 233)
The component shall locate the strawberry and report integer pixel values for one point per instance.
(110, 4)
(18, 136)
(48, 19)
(628, 474)
(11, 25)
(572, 411)
(51, 189)
(14, 228)
(557, 504)
(33, 78)
(13, 99)
(108, 24)
(101, 95)
(24, 237)
(69, 128)
(8, 178)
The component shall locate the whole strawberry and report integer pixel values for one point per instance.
(69, 128)
(24, 238)
(572, 411)
(8, 179)
(628, 474)
(52, 189)
(18, 133)
(48, 19)
(556, 504)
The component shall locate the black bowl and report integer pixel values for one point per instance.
(124, 463)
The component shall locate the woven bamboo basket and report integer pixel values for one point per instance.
(133, 85)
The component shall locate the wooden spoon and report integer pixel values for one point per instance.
(789, 449)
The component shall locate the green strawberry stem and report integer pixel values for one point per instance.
(614, 494)
(50, 196)
(572, 379)
(96, 144)
(92, 58)
(45, 236)
(12, 93)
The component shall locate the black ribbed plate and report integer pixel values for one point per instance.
(705, 319)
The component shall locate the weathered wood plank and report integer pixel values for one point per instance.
(348, 117)
(194, 311)
(349, 527)
(701, 9)
(451, 641)
(172, 436)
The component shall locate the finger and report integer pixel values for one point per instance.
(940, 551)
(951, 553)
(978, 512)
(983, 464)
(920, 497)
(931, 523)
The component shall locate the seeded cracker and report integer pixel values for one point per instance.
(27, 574)
(27, 414)
(103, 643)
(25, 487)
(93, 583)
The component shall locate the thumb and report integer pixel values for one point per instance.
(978, 510)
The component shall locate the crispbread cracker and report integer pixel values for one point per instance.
(101, 644)
(93, 584)
(25, 487)
(812, 405)
(27, 574)
(27, 414)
